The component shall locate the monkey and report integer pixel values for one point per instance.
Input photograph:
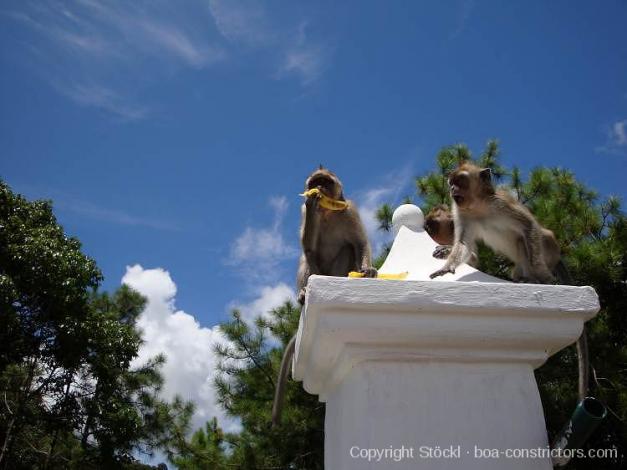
(333, 242)
(482, 213)
(439, 225)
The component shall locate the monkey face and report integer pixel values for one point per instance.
(326, 182)
(469, 185)
(459, 185)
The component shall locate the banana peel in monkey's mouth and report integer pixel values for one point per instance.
(399, 276)
(325, 201)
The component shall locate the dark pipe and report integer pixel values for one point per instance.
(585, 419)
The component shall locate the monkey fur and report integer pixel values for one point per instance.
(334, 243)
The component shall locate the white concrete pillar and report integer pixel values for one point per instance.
(412, 368)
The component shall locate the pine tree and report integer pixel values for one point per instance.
(246, 390)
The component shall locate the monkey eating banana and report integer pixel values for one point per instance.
(334, 243)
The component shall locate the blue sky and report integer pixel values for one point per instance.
(177, 135)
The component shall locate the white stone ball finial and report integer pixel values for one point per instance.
(410, 216)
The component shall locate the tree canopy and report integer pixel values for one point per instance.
(70, 395)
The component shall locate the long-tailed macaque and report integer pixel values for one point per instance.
(334, 242)
(482, 213)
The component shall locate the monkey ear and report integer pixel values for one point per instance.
(486, 175)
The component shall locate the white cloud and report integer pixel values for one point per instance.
(263, 246)
(149, 30)
(98, 53)
(368, 201)
(303, 59)
(241, 21)
(95, 212)
(190, 365)
(246, 22)
(268, 298)
(619, 133)
(104, 99)
(179, 45)
(616, 142)
(305, 62)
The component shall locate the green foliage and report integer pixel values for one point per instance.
(378, 261)
(384, 217)
(245, 387)
(70, 396)
(204, 450)
(44, 280)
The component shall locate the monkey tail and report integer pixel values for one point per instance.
(583, 364)
(583, 360)
(279, 393)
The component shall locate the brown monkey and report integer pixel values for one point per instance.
(334, 243)
(482, 213)
(440, 226)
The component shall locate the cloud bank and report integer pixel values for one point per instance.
(268, 298)
(189, 347)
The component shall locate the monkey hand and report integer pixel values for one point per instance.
(313, 193)
(442, 251)
(312, 201)
(369, 272)
(442, 272)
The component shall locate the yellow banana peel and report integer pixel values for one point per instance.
(398, 276)
(325, 201)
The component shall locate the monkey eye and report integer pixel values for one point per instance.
(459, 180)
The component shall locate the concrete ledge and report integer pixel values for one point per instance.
(347, 321)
